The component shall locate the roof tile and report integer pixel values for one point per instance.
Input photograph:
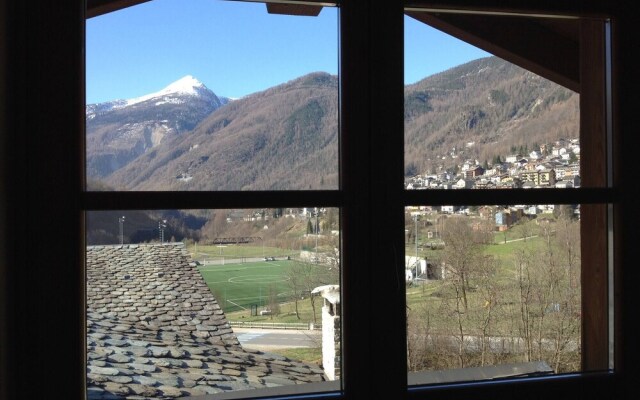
(154, 330)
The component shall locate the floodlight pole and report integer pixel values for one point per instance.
(121, 221)
(415, 217)
(161, 225)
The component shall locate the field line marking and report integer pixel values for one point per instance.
(236, 304)
(208, 282)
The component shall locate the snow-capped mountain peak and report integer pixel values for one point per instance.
(184, 85)
(187, 85)
(174, 93)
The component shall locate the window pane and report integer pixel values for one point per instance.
(211, 95)
(492, 292)
(476, 121)
(189, 303)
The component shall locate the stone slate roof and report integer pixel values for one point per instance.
(154, 331)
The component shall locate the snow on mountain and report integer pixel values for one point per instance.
(185, 86)
(93, 109)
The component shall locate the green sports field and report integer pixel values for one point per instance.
(242, 285)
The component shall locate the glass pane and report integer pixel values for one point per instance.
(211, 95)
(492, 292)
(476, 121)
(189, 303)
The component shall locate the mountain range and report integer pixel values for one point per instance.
(185, 137)
(119, 131)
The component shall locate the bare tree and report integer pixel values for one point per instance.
(418, 333)
(525, 287)
(304, 277)
(524, 228)
(459, 313)
(274, 304)
(550, 295)
(488, 290)
(461, 254)
(216, 225)
(295, 283)
(564, 312)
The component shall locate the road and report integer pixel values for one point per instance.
(269, 339)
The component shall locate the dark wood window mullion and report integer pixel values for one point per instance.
(387, 178)
(593, 171)
(371, 73)
(209, 200)
(354, 155)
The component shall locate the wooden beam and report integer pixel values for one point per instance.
(577, 8)
(536, 46)
(312, 8)
(294, 9)
(99, 7)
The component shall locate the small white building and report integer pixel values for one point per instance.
(447, 209)
(415, 264)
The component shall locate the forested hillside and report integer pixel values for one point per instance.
(286, 137)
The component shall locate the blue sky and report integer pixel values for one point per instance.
(234, 48)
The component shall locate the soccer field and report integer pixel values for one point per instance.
(240, 286)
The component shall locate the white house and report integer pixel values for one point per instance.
(513, 158)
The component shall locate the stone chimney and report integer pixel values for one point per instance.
(330, 330)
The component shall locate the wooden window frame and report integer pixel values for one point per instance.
(43, 201)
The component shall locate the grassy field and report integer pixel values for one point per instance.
(239, 286)
(212, 252)
(309, 355)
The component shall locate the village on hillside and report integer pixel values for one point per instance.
(551, 165)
